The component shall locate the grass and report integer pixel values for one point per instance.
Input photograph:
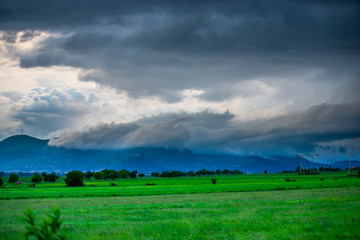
(300, 214)
(183, 185)
(261, 206)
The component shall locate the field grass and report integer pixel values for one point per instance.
(296, 214)
(183, 185)
(259, 206)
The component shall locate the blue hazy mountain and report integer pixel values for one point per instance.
(26, 153)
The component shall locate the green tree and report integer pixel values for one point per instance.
(237, 172)
(123, 173)
(133, 174)
(89, 175)
(36, 178)
(74, 179)
(98, 175)
(13, 178)
(141, 175)
(51, 177)
(155, 174)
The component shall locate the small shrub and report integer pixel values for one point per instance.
(91, 185)
(321, 179)
(48, 228)
(335, 179)
(1, 182)
(113, 184)
(150, 184)
(213, 180)
(290, 180)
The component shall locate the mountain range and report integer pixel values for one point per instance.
(26, 153)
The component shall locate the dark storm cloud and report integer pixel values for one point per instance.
(211, 132)
(158, 48)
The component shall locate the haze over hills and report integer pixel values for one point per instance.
(26, 153)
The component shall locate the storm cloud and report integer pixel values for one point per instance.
(161, 48)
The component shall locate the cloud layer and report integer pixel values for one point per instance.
(161, 48)
(314, 128)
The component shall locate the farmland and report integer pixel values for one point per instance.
(236, 207)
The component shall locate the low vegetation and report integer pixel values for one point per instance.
(48, 229)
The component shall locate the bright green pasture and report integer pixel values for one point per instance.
(300, 214)
(183, 185)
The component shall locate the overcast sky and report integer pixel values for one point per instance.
(243, 77)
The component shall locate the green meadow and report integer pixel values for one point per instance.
(261, 206)
(182, 185)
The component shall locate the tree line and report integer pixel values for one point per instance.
(202, 172)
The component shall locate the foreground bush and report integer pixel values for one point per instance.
(48, 229)
(74, 179)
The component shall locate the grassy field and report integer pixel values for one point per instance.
(325, 206)
(298, 214)
(183, 185)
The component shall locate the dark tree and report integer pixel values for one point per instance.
(226, 171)
(265, 171)
(237, 172)
(98, 175)
(141, 175)
(106, 173)
(74, 178)
(133, 174)
(113, 174)
(123, 173)
(155, 174)
(213, 180)
(13, 178)
(1, 182)
(52, 177)
(359, 173)
(89, 175)
(36, 178)
(218, 171)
